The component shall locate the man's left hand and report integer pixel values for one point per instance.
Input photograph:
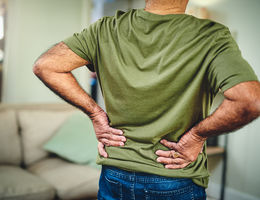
(182, 153)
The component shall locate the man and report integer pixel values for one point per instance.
(159, 70)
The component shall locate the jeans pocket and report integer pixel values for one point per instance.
(185, 193)
(113, 187)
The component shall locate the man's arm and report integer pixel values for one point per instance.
(54, 69)
(240, 106)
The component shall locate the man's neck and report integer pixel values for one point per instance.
(165, 8)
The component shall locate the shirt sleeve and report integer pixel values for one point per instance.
(228, 68)
(84, 44)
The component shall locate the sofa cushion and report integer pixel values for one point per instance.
(37, 127)
(75, 140)
(16, 183)
(72, 181)
(10, 146)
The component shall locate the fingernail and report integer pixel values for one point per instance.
(157, 152)
(122, 144)
(123, 139)
(158, 159)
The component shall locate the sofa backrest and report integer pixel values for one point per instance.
(10, 145)
(36, 124)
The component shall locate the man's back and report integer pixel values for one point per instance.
(158, 75)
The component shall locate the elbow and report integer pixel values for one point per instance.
(253, 108)
(256, 107)
(38, 70)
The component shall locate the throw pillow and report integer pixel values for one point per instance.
(75, 140)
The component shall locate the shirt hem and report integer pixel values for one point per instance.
(199, 179)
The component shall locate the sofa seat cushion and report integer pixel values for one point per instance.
(72, 181)
(16, 183)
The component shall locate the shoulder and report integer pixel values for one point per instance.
(108, 24)
(119, 15)
(210, 27)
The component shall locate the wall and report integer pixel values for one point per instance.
(33, 26)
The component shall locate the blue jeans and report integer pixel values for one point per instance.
(117, 184)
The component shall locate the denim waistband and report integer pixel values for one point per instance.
(139, 177)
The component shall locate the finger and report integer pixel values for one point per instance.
(115, 131)
(177, 166)
(111, 137)
(111, 142)
(163, 153)
(101, 150)
(115, 137)
(168, 161)
(171, 145)
(169, 154)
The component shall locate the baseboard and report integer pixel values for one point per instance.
(230, 194)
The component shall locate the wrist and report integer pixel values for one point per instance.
(96, 112)
(195, 135)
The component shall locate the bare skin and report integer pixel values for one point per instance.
(54, 69)
(164, 7)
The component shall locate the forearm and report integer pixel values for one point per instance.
(231, 115)
(228, 117)
(66, 86)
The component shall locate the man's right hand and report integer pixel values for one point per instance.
(106, 135)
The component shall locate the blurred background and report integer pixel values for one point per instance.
(30, 27)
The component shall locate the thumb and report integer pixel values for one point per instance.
(101, 150)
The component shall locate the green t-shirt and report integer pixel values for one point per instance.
(158, 75)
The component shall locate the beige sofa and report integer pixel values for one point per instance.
(29, 172)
